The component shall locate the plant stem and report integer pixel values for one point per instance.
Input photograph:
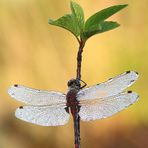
(79, 59)
(78, 76)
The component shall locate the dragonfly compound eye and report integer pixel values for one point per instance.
(70, 82)
(73, 82)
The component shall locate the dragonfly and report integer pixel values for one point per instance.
(51, 108)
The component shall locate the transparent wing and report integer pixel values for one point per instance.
(109, 88)
(43, 115)
(103, 108)
(34, 96)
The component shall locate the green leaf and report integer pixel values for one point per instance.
(108, 25)
(100, 28)
(95, 24)
(78, 13)
(68, 22)
(102, 15)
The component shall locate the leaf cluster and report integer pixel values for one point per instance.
(95, 24)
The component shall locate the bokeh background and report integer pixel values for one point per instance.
(38, 55)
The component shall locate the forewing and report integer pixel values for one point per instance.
(103, 108)
(43, 115)
(36, 97)
(109, 88)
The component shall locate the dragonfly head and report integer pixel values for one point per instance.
(74, 83)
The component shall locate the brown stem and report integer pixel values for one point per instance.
(79, 59)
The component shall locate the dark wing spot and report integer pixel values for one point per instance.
(129, 91)
(132, 80)
(21, 107)
(128, 72)
(136, 72)
(110, 78)
(15, 85)
(98, 84)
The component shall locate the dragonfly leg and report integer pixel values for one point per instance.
(83, 85)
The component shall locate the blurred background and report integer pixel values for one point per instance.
(42, 56)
